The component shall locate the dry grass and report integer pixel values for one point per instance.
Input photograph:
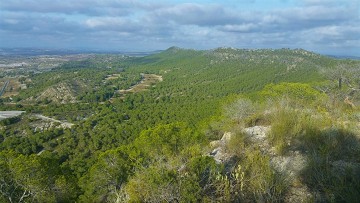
(13, 87)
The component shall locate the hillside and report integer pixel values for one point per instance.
(142, 129)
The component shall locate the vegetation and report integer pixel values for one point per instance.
(89, 136)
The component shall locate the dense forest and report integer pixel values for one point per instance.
(221, 125)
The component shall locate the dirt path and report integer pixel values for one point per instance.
(45, 118)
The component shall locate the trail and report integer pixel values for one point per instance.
(45, 118)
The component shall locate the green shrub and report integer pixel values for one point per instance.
(332, 183)
(251, 180)
(295, 91)
(154, 184)
(332, 169)
(285, 126)
(236, 145)
(263, 183)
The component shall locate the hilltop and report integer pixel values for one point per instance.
(182, 125)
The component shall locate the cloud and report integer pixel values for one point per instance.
(34, 24)
(147, 25)
(195, 14)
(329, 2)
(112, 24)
(320, 13)
(245, 27)
(79, 7)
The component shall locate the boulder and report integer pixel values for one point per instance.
(219, 148)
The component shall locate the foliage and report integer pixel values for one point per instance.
(150, 145)
(166, 140)
(240, 109)
(236, 144)
(315, 128)
(35, 178)
(251, 180)
(295, 91)
(108, 174)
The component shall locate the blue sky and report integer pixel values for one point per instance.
(323, 26)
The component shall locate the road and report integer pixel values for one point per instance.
(4, 87)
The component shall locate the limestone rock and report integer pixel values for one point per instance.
(257, 132)
(219, 153)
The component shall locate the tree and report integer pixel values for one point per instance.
(10, 190)
(107, 176)
(35, 178)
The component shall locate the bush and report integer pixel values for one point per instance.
(285, 126)
(295, 91)
(251, 180)
(154, 184)
(240, 109)
(236, 145)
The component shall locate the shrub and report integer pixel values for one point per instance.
(285, 126)
(154, 184)
(332, 169)
(236, 145)
(251, 180)
(263, 183)
(295, 91)
(240, 109)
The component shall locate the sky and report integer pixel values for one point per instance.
(323, 26)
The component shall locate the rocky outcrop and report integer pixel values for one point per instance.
(257, 133)
(45, 123)
(219, 148)
(290, 165)
(60, 93)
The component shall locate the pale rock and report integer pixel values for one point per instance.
(257, 132)
(219, 153)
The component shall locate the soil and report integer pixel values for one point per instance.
(147, 81)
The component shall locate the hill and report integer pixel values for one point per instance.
(140, 127)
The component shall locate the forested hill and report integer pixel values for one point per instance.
(114, 128)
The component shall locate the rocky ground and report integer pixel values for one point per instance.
(60, 93)
(42, 123)
(290, 165)
(10, 114)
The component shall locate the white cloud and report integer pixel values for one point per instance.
(104, 22)
(304, 24)
(246, 27)
(329, 2)
(194, 14)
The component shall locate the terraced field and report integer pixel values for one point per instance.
(146, 81)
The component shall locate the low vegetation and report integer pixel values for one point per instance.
(154, 145)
